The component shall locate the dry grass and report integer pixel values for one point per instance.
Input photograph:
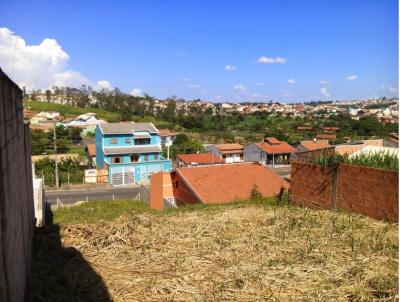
(237, 253)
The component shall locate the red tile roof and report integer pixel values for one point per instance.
(326, 136)
(166, 132)
(275, 146)
(227, 147)
(201, 158)
(226, 183)
(91, 149)
(314, 145)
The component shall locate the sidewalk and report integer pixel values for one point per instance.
(71, 187)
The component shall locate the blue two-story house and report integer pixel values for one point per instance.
(130, 151)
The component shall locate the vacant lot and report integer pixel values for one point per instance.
(241, 252)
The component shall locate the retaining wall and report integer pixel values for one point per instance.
(16, 194)
(364, 190)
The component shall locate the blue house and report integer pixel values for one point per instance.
(130, 151)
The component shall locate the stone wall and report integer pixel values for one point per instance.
(16, 194)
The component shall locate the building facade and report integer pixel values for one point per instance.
(130, 151)
(230, 153)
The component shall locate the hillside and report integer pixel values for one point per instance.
(240, 252)
(72, 111)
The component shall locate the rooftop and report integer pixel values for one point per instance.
(201, 158)
(226, 183)
(127, 128)
(272, 145)
(227, 147)
(314, 145)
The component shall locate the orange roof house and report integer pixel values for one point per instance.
(90, 151)
(312, 145)
(198, 159)
(270, 152)
(230, 153)
(221, 183)
(326, 136)
(330, 129)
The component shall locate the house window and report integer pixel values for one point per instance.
(155, 156)
(176, 184)
(113, 141)
(134, 158)
(142, 141)
(116, 160)
(127, 141)
(146, 158)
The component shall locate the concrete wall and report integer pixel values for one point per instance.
(253, 153)
(364, 190)
(16, 194)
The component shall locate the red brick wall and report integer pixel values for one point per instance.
(182, 193)
(369, 191)
(311, 185)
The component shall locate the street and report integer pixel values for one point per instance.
(72, 196)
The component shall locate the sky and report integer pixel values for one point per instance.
(288, 51)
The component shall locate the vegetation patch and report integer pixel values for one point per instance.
(246, 251)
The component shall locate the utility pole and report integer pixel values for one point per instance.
(55, 155)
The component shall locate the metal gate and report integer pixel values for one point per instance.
(122, 176)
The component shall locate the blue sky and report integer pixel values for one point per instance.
(279, 50)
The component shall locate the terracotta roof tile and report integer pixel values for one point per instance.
(201, 158)
(314, 145)
(226, 147)
(277, 147)
(326, 136)
(226, 183)
(91, 148)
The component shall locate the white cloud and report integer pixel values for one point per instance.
(277, 60)
(351, 77)
(36, 66)
(103, 84)
(324, 92)
(255, 95)
(186, 79)
(136, 92)
(258, 84)
(291, 81)
(388, 88)
(194, 85)
(230, 67)
(324, 82)
(239, 88)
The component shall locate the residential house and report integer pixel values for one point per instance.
(269, 152)
(312, 145)
(214, 184)
(83, 120)
(230, 153)
(91, 153)
(187, 160)
(324, 136)
(130, 151)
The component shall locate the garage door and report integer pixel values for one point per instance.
(122, 176)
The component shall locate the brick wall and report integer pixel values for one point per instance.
(181, 191)
(311, 185)
(368, 191)
(16, 194)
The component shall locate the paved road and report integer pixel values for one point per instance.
(281, 171)
(72, 196)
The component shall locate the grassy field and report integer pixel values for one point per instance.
(72, 111)
(245, 251)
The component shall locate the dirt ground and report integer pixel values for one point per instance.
(237, 253)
